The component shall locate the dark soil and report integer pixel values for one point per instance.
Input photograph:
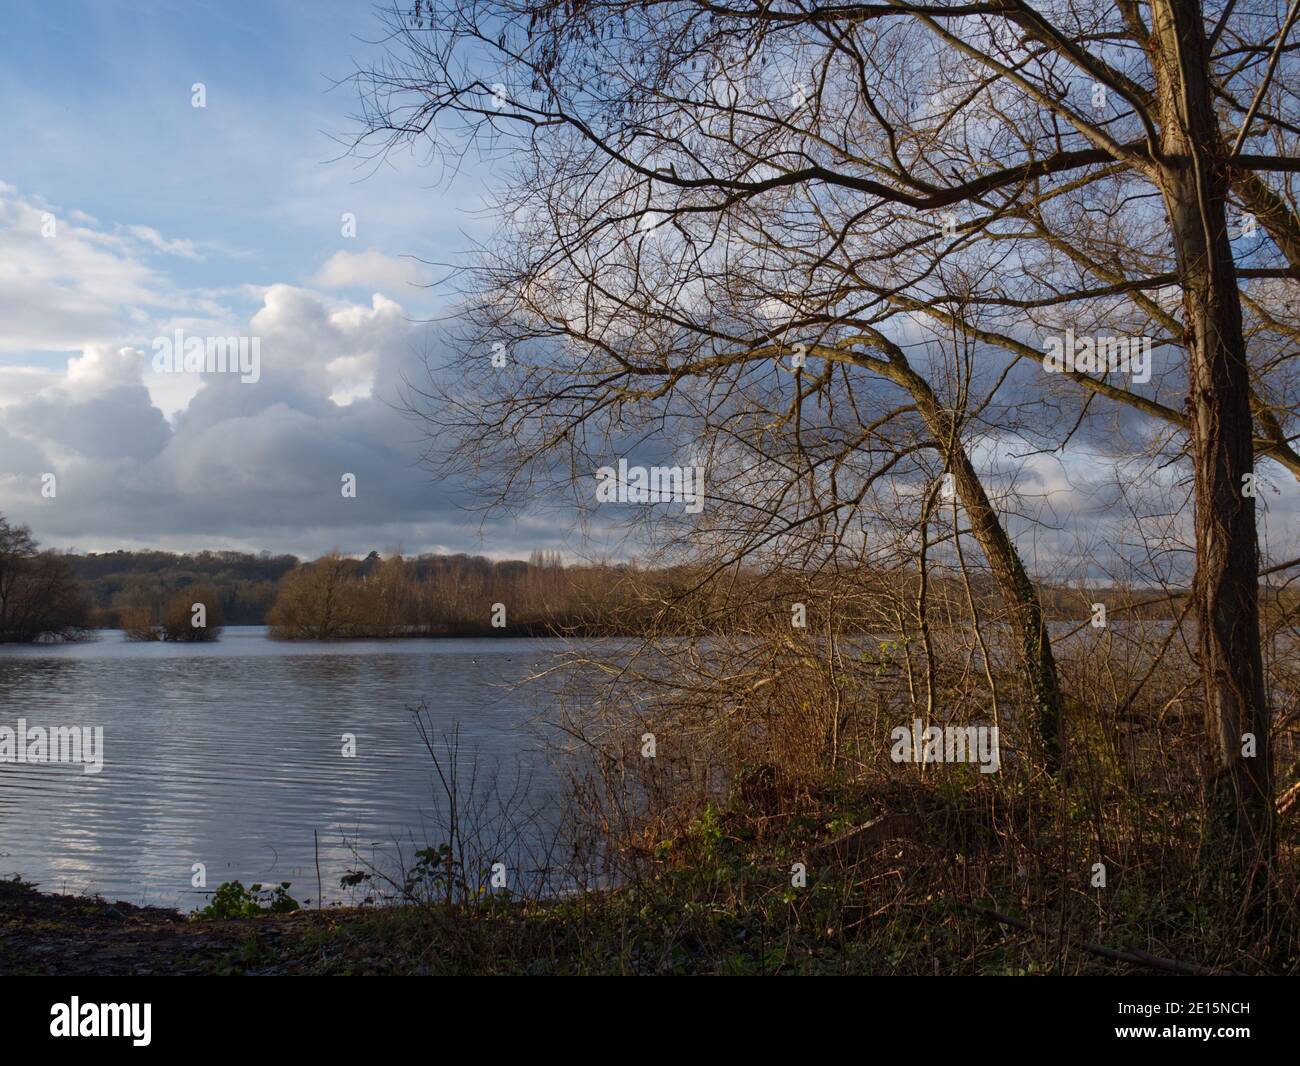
(47, 934)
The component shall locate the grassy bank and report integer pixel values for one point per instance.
(906, 880)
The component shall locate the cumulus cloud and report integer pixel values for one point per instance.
(371, 270)
(241, 464)
(203, 459)
(99, 368)
(18, 383)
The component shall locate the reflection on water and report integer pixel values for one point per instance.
(229, 754)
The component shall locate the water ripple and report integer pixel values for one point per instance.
(231, 755)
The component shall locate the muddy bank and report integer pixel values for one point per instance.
(47, 934)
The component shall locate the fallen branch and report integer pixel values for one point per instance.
(1134, 957)
(852, 846)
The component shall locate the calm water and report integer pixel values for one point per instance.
(229, 754)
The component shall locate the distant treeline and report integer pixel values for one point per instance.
(453, 595)
(150, 594)
(155, 595)
(123, 585)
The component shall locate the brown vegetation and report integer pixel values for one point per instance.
(39, 599)
(193, 614)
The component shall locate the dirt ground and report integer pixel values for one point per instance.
(46, 934)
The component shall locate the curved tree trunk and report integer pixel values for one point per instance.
(1024, 611)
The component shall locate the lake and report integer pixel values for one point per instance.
(230, 754)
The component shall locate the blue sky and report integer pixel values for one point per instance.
(98, 116)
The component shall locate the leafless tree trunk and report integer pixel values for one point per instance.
(1194, 180)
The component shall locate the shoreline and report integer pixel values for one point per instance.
(54, 934)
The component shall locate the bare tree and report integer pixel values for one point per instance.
(38, 597)
(705, 197)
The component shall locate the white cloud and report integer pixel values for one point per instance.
(151, 237)
(240, 463)
(65, 284)
(99, 368)
(207, 460)
(19, 383)
(371, 270)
